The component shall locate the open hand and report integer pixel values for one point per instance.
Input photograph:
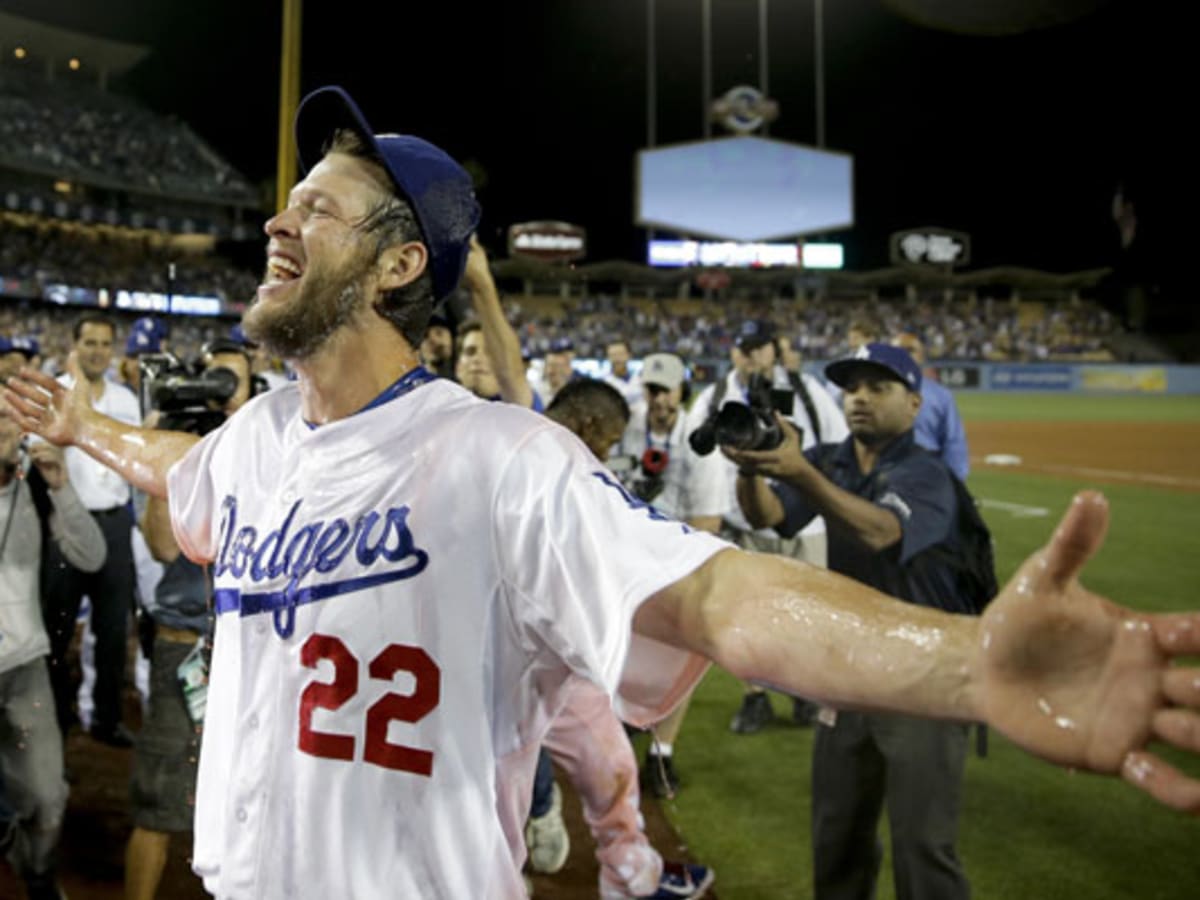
(1083, 682)
(42, 406)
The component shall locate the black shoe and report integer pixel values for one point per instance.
(804, 712)
(756, 713)
(117, 736)
(659, 776)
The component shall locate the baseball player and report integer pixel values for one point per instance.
(407, 576)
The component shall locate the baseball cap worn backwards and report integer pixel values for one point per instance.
(437, 188)
(664, 370)
(892, 361)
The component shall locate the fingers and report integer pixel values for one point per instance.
(73, 367)
(1182, 687)
(24, 411)
(1163, 782)
(1079, 535)
(1178, 727)
(1177, 633)
(43, 381)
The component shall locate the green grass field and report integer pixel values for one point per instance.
(1029, 830)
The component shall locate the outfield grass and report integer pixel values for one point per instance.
(1030, 830)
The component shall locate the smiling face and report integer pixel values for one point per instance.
(323, 272)
(93, 349)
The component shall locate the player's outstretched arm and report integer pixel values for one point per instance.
(64, 416)
(1063, 672)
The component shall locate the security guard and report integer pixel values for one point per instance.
(886, 502)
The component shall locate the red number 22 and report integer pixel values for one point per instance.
(391, 706)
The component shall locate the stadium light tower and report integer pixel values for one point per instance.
(289, 99)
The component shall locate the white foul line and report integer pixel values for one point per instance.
(1018, 511)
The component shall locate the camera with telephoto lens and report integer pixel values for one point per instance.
(188, 398)
(745, 426)
(642, 477)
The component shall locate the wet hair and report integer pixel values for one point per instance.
(586, 398)
(390, 222)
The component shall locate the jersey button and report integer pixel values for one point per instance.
(253, 720)
(242, 815)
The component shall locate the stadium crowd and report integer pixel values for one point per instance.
(79, 131)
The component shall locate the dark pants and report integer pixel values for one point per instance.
(916, 766)
(111, 592)
(543, 786)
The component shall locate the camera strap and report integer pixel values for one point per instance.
(801, 390)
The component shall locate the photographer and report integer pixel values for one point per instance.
(37, 507)
(680, 482)
(887, 503)
(759, 381)
(163, 783)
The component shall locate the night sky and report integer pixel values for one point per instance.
(1018, 140)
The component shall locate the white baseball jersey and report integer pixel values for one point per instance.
(401, 596)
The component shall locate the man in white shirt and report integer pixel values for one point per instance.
(627, 383)
(681, 483)
(816, 415)
(107, 496)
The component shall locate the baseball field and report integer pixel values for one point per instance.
(1029, 830)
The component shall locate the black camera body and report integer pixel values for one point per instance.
(187, 399)
(745, 426)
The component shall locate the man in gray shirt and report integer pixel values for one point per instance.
(36, 509)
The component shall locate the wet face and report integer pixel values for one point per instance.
(877, 406)
(557, 370)
(662, 407)
(321, 274)
(618, 358)
(474, 368)
(93, 349)
(438, 346)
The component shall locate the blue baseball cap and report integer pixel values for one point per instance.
(893, 361)
(561, 345)
(26, 346)
(146, 336)
(437, 188)
(754, 334)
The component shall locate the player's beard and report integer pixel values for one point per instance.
(298, 328)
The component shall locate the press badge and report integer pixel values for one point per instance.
(193, 678)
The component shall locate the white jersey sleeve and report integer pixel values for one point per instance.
(579, 554)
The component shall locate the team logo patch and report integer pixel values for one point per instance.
(296, 550)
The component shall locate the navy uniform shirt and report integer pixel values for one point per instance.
(915, 487)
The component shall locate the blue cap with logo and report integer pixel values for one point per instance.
(146, 336)
(26, 346)
(754, 334)
(892, 361)
(437, 188)
(561, 345)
